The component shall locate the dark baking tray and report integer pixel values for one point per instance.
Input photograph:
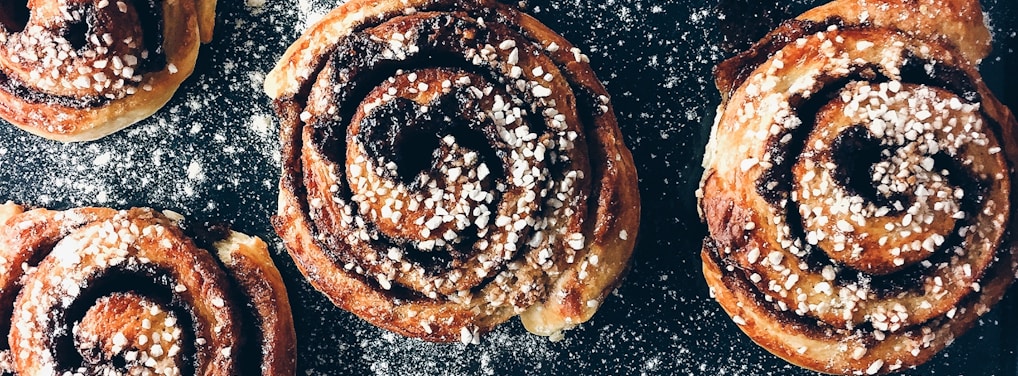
(210, 155)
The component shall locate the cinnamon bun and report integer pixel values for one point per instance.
(100, 291)
(78, 70)
(448, 165)
(857, 185)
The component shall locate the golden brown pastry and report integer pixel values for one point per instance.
(858, 185)
(448, 165)
(78, 70)
(126, 292)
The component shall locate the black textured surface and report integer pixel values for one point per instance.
(211, 155)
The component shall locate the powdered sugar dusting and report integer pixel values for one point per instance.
(310, 11)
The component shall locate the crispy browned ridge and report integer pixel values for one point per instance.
(100, 291)
(857, 185)
(71, 70)
(474, 228)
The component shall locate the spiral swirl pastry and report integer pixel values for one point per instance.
(857, 186)
(78, 70)
(103, 292)
(448, 165)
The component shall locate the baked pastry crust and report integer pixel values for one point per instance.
(131, 293)
(73, 70)
(857, 185)
(531, 212)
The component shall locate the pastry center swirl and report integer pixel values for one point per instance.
(430, 149)
(80, 53)
(156, 344)
(882, 182)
